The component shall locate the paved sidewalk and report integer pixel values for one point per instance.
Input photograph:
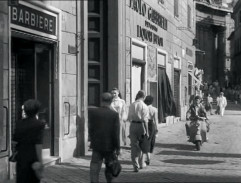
(174, 159)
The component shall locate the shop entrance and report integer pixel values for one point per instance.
(32, 78)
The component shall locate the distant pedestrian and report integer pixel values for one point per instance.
(221, 103)
(28, 138)
(209, 106)
(104, 129)
(152, 125)
(119, 106)
(138, 116)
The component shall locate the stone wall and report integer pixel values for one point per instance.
(4, 70)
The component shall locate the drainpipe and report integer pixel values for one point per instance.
(77, 78)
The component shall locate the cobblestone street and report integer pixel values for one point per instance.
(174, 159)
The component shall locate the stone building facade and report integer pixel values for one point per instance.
(43, 56)
(163, 32)
(66, 53)
(235, 38)
(213, 26)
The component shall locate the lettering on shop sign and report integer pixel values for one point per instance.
(30, 18)
(146, 11)
(189, 52)
(148, 35)
(149, 25)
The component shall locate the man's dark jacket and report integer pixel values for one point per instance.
(104, 129)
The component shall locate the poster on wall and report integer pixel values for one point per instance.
(152, 66)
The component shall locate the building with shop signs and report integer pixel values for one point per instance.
(66, 53)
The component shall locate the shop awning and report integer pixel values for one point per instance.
(195, 78)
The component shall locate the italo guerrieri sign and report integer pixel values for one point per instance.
(147, 11)
(33, 19)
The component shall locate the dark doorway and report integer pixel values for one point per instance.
(32, 78)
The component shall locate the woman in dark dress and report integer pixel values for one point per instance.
(152, 125)
(28, 137)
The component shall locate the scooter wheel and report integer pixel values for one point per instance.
(198, 144)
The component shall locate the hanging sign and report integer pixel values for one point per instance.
(33, 19)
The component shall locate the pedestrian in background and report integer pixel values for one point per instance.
(104, 129)
(138, 117)
(221, 103)
(119, 106)
(152, 125)
(209, 106)
(28, 138)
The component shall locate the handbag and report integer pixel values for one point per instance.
(144, 144)
(115, 166)
(38, 169)
(13, 157)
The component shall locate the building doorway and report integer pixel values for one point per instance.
(32, 78)
(177, 91)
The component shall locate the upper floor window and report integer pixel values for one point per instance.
(176, 13)
(189, 15)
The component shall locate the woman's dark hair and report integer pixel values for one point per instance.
(140, 94)
(116, 89)
(148, 100)
(31, 107)
(198, 97)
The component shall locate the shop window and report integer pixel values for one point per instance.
(189, 15)
(94, 72)
(94, 24)
(138, 53)
(97, 50)
(176, 13)
(94, 6)
(137, 70)
(161, 59)
(93, 94)
(94, 49)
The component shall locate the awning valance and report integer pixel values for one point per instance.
(195, 78)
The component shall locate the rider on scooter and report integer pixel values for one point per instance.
(196, 112)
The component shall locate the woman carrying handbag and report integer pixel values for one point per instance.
(28, 137)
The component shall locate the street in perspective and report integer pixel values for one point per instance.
(120, 91)
(174, 159)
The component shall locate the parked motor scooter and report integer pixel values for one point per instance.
(197, 130)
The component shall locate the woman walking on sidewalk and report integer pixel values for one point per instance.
(152, 125)
(119, 106)
(28, 137)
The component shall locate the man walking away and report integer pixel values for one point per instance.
(138, 116)
(104, 129)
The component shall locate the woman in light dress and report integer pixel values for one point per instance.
(119, 106)
(221, 103)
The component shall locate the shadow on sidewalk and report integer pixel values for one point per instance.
(192, 161)
(176, 146)
(198, 154)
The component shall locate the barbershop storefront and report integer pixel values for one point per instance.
(39, 66)
(33, 57)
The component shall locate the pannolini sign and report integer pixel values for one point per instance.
(147, 35)
(33, 19)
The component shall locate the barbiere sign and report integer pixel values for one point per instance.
(33, 19)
